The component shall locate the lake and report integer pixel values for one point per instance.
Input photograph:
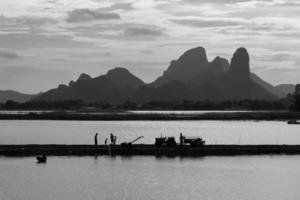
(151, 178)
(82, 132)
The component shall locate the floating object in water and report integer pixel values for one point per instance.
(293, 122)
(41, 159)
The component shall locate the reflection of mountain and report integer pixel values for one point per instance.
(14, 96)
(191, 77)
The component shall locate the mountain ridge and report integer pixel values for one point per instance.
(104, 88)
(190, 77)
(16, 96)
(286, 88)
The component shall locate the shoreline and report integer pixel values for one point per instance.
(147, 149)
(125, 116)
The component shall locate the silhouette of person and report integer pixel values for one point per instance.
(112, 138)
(96, 139)
(181, 139)
(105, 142)
(115, 139)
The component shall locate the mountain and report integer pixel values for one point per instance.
(272, 89)
(6, 95)
(190, 63)
(219, 65)
(123, 77)
(84, 77)
(239, 68)
(286, 88)
(190, 77)
(115, 87)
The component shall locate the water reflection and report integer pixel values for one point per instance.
(149, 178)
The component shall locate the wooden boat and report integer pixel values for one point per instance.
(41, 159)
(293, 122)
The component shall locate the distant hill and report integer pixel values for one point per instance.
(115, 87)
(286, 88)
(272, 89)
(6, 95)
(190, 77)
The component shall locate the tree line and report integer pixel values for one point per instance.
(295, 98)
(291, 102)
(247, 104)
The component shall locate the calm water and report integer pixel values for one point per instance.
(150, 178)
(82, 132)
(147, 178)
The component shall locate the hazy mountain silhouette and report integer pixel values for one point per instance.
(272, 89)
(84, 77)
(239, 68)
(190, 77)
(192, 62)
(114, 87)
(286, 88)
(219, 65)
(123, 77)
(6, 95)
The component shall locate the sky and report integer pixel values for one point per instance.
(44, 43)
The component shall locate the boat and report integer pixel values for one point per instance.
(293, 122)
(41, 159)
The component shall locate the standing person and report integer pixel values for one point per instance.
(96, 139)
(115, 139)
(181, 139)
(111, 138)
(105, 142)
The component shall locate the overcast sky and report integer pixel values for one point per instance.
(47, 42)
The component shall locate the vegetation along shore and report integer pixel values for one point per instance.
(123, 116)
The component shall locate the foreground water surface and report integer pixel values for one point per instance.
(151, 178)
(82, 132)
